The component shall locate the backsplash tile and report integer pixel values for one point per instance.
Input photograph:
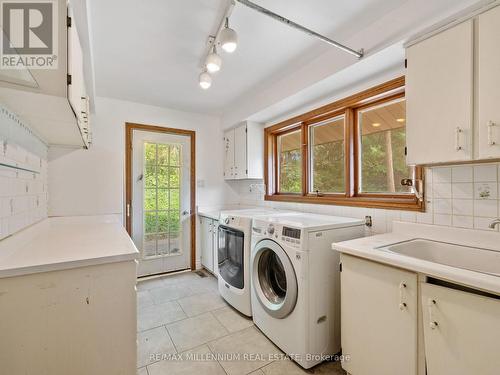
(464, 196)
(23, 175)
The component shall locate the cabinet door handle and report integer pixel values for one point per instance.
(402, 303)
(491, 141)
(430, 305)
(458, 131)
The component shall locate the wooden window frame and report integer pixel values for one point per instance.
(348, 107)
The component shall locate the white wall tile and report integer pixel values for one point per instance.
(442, 219)
(463, 221)
(462, 190)
(441, 175)
(485, 173)
(461, 174)
(485, 190)
(463, 207)
(441, 190)
(483, 223)
(486, 208)
(442, 206)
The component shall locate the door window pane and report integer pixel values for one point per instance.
(290, 162)
(382, 159)
(162, 218)
(327, 156)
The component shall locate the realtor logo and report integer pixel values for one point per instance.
(29, 38)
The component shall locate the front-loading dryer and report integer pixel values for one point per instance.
(295, 293)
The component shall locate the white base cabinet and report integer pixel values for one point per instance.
(462, 332)
(378, 318)
(209, 243)
(79, 321)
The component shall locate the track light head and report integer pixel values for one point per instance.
(205, 80)
(214, 62)
(228, 38)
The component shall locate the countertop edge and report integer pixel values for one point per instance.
(68, 265)
(472, 279)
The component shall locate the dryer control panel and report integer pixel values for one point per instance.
(290, 235)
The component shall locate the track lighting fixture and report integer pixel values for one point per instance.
(228, 38)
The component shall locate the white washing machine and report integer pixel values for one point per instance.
(295, 292)
(233, 255)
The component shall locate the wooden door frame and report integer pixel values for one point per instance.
(129, 129)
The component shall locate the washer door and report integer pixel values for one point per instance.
(274, 279)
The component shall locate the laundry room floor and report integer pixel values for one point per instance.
(185, 327)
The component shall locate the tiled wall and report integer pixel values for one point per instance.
(23, 175)
(465, 196)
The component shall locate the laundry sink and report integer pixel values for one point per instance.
(449, 254)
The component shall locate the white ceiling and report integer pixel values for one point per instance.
(150, 52)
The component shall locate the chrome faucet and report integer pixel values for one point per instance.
(494, 223)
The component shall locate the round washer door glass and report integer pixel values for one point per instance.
(274, 279)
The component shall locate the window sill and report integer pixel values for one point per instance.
(405, 204)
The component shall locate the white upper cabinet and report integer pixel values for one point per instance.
(439, 90)
(229, 154)
(489, 84)
(55, 108)
(243, 152)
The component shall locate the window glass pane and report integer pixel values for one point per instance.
(162, 177)
(149, 199)
(174, 221)
(162, 199)
(175, 151)
(383, 161)
(162, 154)
(150, 222)
(150, 153)
(162, 221)
(174, 199)
(174, 177)
(290, 162)
(150, 176)
(327, 156)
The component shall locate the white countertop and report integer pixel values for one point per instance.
(214, 213)
(65, 242)
(366, 247)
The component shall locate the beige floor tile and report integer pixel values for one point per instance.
(169, 293)
(201, 303)
(157, 315)
(204, 284)
(150, 283)
(144, 299)
(288, 367)
(142, 371)
(205, 365)
(152, 342)
(231, 319)
(253, 348)
(190, 333)
(257, 372)
(329, 368)
(180, 278)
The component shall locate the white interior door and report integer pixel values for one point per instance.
(161, 202)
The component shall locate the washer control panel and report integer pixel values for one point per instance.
(291, 235)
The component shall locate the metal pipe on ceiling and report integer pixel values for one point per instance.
(359, 54)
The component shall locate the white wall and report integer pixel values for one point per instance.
(91, 182)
